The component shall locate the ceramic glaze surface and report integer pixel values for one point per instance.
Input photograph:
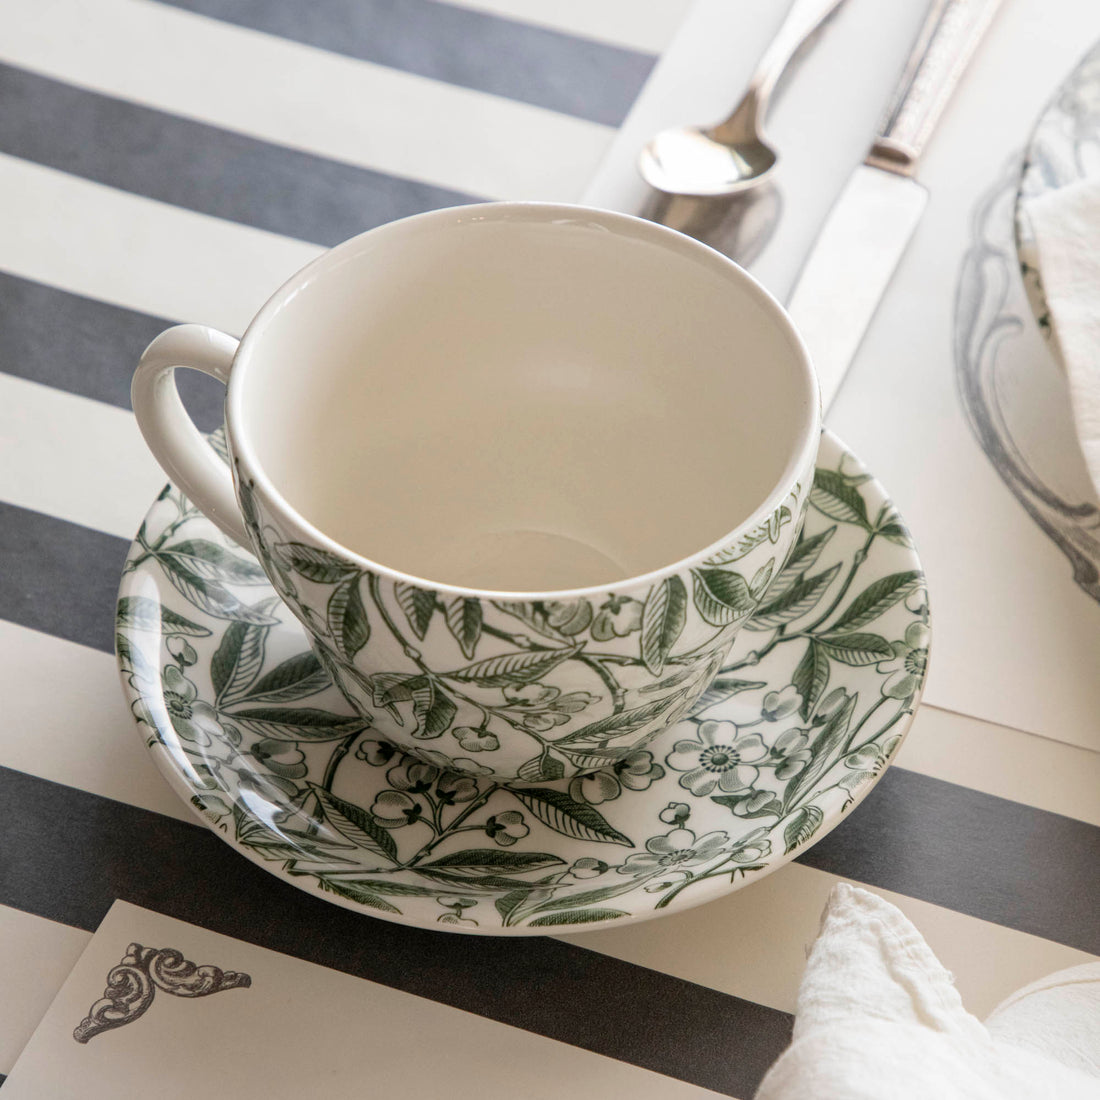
(791, 733)
(523, 395)
(526, 404)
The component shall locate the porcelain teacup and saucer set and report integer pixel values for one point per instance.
(522, 591)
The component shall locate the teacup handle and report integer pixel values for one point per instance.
(188, 460)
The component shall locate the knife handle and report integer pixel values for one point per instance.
(949, 37)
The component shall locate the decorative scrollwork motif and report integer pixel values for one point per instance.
(132, 985)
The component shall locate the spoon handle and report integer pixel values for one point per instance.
(950, 35)
(803, 18)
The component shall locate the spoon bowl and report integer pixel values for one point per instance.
(733, 156)
(690, 161)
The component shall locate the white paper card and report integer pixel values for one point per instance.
(274, 1026)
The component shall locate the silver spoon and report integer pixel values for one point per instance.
(733, 155)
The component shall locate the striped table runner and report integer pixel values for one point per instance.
(165, 162)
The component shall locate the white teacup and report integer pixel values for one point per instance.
(521, 470)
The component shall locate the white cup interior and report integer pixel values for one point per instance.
(523, 398)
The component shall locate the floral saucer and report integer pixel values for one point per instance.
(793, 733)
(1064, 148)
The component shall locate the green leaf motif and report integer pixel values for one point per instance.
(800, 599)
(810, 678)
(722, 688)
(585, 898)
(544, 768)
(835, 497)
(129, 649)
(237, 660)
(213, 597)
(358, 894)
(472, 883)
(464, 622)
(576, 916)
(434, 712)
(347, 617)
(857, 649)
(514, 668)
(143, 613)
(801, 560)
(897, 533)
(876, 599)
(534, 615)
(493, 861)
(801, 827)
(761, 579)
(297, 723)
(823, 748)
(295, 678)
(565, 815)
(389, 886)
(721, 597)
(663, 620)
(207, 559)
(356, 824)
(247, 496)
(598, 734)
(418, 605)
(313, 563)
(423, 698)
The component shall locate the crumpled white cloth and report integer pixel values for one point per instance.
(880, 1019)
(1066, 224)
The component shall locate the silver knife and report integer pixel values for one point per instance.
(870, 225)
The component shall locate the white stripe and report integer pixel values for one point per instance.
(36, 956)
(65, 720)
(136, 252)
(306, 98)
(74, 458)
(645, 25)
(753, 943)
(1008, 763)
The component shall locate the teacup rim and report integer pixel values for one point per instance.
(800, 457)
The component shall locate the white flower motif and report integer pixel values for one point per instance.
(780, 704)
(907, 666)
(676, 849)
(718, 759)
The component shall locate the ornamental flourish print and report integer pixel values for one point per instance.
(132, 985)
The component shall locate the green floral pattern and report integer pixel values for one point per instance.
(794, 728)
(538, 690)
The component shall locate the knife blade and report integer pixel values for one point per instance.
(870, 225)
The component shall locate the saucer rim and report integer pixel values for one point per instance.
(707, 891)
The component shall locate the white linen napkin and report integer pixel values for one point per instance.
(1066, 224)
(880, 1019)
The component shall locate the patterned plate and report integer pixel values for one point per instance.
(792, 734)
(1063, 148)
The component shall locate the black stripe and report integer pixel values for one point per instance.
(200, 167)
(59, 577)
(69, 854)
(87, 347)
(575, 76)
(974, 853)
(989, 857)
